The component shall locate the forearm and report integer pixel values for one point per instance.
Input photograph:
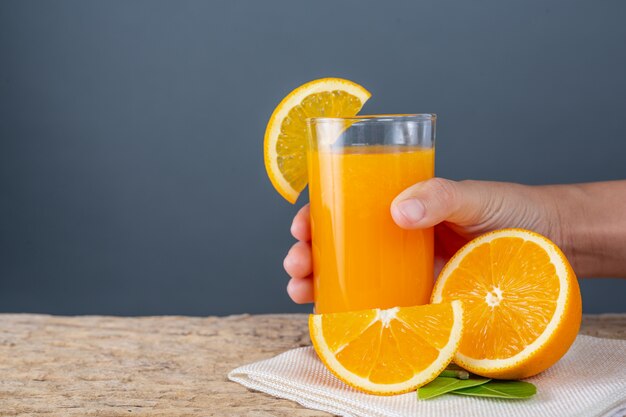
(590, 223)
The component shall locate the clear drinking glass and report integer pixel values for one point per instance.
(357, 166)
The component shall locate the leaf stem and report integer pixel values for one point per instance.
(455, 374)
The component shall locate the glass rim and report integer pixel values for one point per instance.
(377, 118)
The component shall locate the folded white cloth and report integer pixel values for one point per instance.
(589, 381)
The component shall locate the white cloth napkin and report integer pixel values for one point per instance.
(589, 381)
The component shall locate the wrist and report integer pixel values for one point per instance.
(563, 221)
(585, 231)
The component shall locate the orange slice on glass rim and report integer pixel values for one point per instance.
(285, 134)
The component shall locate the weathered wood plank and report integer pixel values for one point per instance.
(155, 366)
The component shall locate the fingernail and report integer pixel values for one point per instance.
(412, 209)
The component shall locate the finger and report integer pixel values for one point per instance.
(438, 265)
(430, 202)
(301, 290)
(298, 262)
(301, 226)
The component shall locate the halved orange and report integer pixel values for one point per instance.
(521, 299)
(285, 134)
(388, 351)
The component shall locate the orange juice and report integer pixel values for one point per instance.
(361, 258)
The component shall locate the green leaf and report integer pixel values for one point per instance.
(449, 373)
(442, 385)
(500, 389)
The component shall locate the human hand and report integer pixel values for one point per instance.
(459, 211)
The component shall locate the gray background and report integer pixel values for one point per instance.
(131, 171)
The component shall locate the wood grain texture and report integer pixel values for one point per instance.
(155, 366)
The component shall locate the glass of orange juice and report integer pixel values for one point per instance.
(356, 167)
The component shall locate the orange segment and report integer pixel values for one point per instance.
(388, 351)
(521, 299)
(285, 134)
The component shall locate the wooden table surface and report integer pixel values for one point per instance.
(156, 366)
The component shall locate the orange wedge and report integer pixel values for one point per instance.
(391, 351)
(521, 299)
(285, 135)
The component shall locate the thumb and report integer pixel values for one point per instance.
(433, 201)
